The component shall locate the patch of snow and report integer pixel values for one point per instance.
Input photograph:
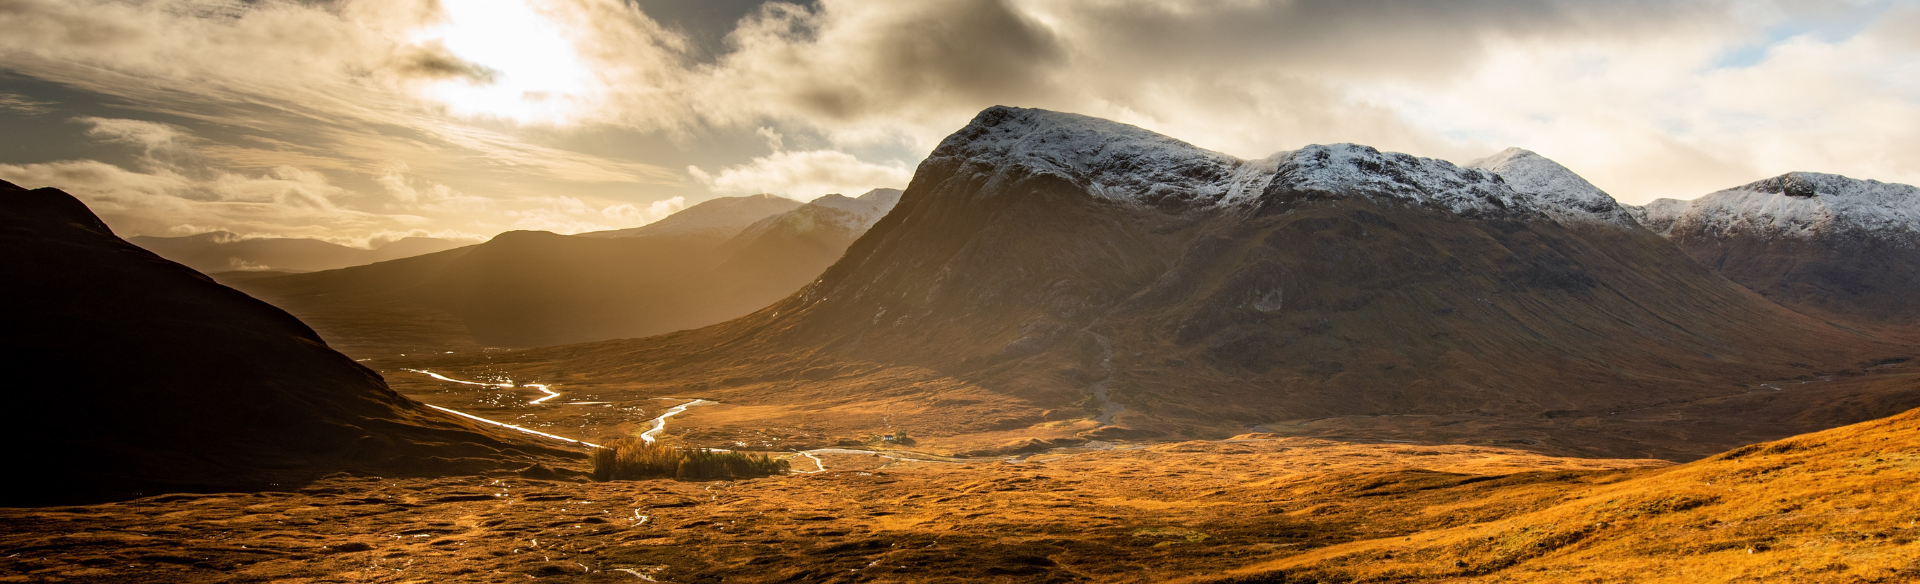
(1805, 205)
(861, 212)
(1658, 216)
(850, 215)
(1555, 189)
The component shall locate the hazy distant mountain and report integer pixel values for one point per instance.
(720, 218)
(533, 288)
(220, 251)
(139, 374)
(1044, 267)
(1819, 242)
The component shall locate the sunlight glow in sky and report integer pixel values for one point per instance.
(538, 75)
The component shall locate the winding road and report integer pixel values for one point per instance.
(660, 423)
(652, 434)
(509, 384)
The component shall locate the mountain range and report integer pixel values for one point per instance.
(706, 264)
(221, 251)
(142, 375)
(1825, 244)
(1047, 272)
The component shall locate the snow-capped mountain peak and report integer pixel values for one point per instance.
(1799, 205)
(864, 210)
(1127, 164)
(1112, 160)
(1555, 189)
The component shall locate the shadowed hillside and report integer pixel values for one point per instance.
(221, 251)
(704, 265)
(142, 375)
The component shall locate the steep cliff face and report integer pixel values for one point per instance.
(1080, 267)
(1822, 243)
(142, 375)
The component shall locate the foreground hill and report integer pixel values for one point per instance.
(137, 374)
(1821, 243)
(706, 264)
(221, 251)
(1060, 275)
(1833, 506)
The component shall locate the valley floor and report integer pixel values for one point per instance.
(1142, 515)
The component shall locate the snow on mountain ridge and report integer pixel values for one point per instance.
(1339, 168)
(1658, 215)
(847, 214)
(1114, 161)
(1804, 205)
(1558, 191)
(1124, 163)
(864, 210)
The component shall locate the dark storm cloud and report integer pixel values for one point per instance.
(1351, 37)
(432, 60)
(845, 60)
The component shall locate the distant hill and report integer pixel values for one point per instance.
(1051, 273)
(721, 218)
(220, 251)
(139, 374)
(1820, 243)
(534, 288)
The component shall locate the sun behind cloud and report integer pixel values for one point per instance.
(524, 67)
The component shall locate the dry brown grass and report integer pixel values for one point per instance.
(629, 459)
(1834, 506)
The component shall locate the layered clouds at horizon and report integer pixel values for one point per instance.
(359, 121)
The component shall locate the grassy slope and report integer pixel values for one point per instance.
(1832, 506)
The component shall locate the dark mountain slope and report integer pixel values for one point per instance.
(221, 251)
(1045, 263)
(139, 374)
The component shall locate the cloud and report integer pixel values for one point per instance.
(627, 215)
(568, 215)
(23, 105)
(598, 103)
(429, 197)
(343, 89)
(804, 175)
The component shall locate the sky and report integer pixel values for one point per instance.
(363, 121)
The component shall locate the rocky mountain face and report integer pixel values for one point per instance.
(221, 251)
(721, 218)
(1823, 243)
(139, 374)
(1055, 267)
(534, 288)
